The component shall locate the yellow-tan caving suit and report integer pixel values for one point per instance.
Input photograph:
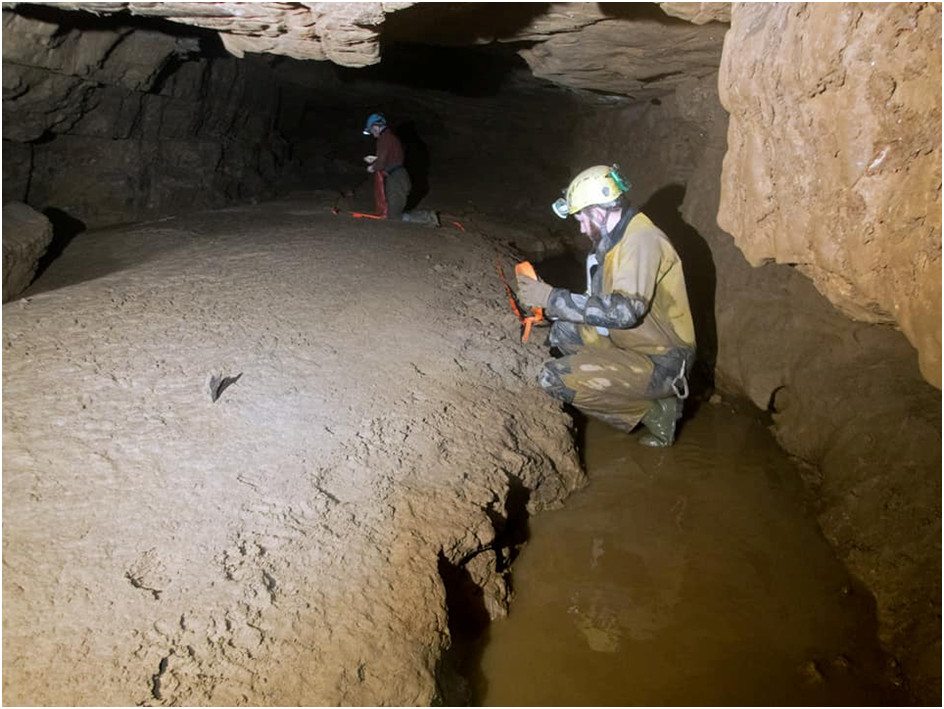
(629, 341)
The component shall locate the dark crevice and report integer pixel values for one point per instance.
(461, 71)
(156, 679)
(660, 77)
(65, 228)
(47, 137)
(664, 208)
(466, 23)
(516, 531)
(460, 677)
(168, 69)
(459, 667)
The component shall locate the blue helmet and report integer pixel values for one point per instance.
(374, 119)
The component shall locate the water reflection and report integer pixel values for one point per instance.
(689, 576)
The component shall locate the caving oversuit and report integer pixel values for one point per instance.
(392, 185)
(629, 342)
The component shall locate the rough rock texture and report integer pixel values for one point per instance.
(834, 155)
(123, 124)
(346, 33)
(17, 165)
(699, 13)
(628, 48)
(26, 236)
(297, 541)
(631, 56)
(846, 397)
(875, 255)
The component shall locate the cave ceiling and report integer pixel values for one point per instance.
(630, 49)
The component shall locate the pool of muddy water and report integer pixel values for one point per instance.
(695, 575)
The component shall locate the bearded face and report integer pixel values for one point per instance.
(592, 223)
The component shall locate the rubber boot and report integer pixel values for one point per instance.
(422, 216)
(660, 423)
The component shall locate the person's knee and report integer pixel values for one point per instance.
(551, 380)
(565, 336)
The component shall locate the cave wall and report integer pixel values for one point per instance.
(109, 124)
(845, 396)
(834, 155)
(116, 125)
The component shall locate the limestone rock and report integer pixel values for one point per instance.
(347, 33)
(627, 56)
(618, 48)
(26, 236)
(51, 75)
(143, 125)
(834, 155)
(17, 164)
(698, 13)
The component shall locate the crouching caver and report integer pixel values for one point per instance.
(393, 182)
(629, 341)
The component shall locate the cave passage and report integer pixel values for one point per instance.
(262, 448)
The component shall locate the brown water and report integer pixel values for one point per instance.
(689, 576)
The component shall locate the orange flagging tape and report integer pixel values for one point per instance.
(458, 226)
(537, 314)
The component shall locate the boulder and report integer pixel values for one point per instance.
(26, 236)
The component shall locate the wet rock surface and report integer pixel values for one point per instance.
(834, 156)
(282, 544)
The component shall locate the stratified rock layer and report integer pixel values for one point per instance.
(346, 33)
(834, 155)
(632, 56)
(111, 124)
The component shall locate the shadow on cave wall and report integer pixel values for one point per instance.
(65, 228)
(465, 23)
(700, 278)
(416, 160)
(76, 20)
(639, 11)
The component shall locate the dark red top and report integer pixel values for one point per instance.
(389, 151)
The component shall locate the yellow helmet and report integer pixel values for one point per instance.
(600, 184)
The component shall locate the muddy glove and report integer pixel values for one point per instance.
(532, 293)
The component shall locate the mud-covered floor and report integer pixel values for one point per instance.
(284, 543)
(302, 539)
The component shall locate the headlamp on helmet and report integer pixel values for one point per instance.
(374, 119)
(600, 185)
(561, 209)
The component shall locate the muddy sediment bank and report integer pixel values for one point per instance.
(285, 543)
